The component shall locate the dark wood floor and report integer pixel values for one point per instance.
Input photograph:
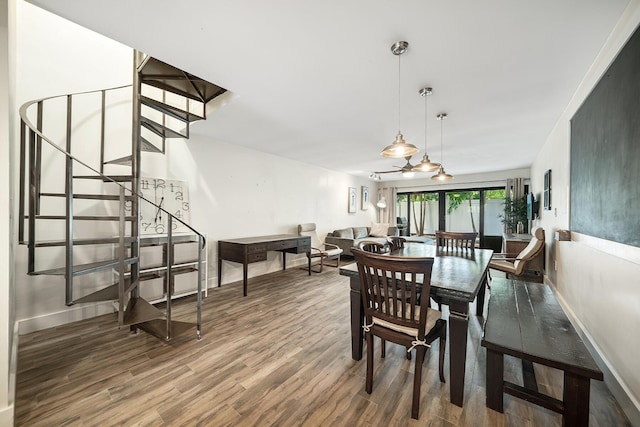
(280, 356)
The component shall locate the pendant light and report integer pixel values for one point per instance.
(399, 148)
(425, 165)
(441, 175)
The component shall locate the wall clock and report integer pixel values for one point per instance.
(172, 196)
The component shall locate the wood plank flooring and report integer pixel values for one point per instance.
(280, 356)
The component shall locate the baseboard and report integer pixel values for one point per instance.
(616, 385)
(73, 314)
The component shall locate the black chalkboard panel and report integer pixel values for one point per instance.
(605, 153)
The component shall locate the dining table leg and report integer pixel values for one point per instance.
(458, 327)
(357, 318)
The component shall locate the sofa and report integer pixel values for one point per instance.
(346, 238)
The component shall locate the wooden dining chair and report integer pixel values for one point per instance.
(450, 240)
(396, 242)
(371, 246)
(396, 309)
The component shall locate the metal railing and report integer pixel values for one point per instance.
(33, 133)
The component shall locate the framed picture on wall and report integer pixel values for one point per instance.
(352, 199)
(547, 190)
(365, 198)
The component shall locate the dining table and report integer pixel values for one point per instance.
(458, 277)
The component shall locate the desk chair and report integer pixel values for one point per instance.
(516, 264)
(450, 240)
(319, 249)
(397, 310)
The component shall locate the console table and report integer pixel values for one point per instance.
(248, 250)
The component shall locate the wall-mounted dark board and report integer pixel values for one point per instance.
(605, 153)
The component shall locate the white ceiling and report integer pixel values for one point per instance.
(316, 81)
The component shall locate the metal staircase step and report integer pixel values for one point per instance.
(88, 196)
(124, 161)
(117, 178)
(109, 293)
(146, 145)
(176, 113)
(80, 269)
(167, 77)
(140, 311)
(160, 130)
(94, 241)
(159, 274)
(155, 240)
(88, 217)
(158, 328)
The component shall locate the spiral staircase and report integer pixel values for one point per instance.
(80, 195)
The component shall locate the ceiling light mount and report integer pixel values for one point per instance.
(399, 147)
(398, 48)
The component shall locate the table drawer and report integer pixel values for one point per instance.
(256, 248)
(256, 257)
(277, 246)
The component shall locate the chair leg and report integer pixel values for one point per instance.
(369, 381)
(443, 347)
(417, 381)
(383, 348)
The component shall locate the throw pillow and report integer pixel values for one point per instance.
(346, 233)
(360, 232)
(379, 229)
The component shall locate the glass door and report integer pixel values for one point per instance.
(462, 211)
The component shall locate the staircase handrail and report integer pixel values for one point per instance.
(29, 124)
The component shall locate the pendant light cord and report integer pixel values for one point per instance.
(399, 92)
(425, 123)
(441, 155)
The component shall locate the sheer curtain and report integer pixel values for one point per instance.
(388, 214)
(514, 188)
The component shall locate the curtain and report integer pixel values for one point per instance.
(514, 188)
(388, 214)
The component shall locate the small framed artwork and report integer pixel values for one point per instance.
(352, 199)
(365, 198)
(547, 190)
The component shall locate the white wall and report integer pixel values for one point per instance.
(7, 339)
(65, 58)
(597, 281)
(265, 195)
(236, 192)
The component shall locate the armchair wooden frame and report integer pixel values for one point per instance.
(516, 264)
(322, 251)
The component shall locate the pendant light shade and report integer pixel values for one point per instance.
(425, 164)
(441, 175)
(399, 148)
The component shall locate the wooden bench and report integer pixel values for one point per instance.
(524, 320)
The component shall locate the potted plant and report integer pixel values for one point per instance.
(515, 211)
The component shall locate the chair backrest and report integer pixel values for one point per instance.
(371, 246)
(309, 229)
(396, 242)
(450, 240)
(395, 290)
(536, 244)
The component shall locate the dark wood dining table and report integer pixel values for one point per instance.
(458, 277)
